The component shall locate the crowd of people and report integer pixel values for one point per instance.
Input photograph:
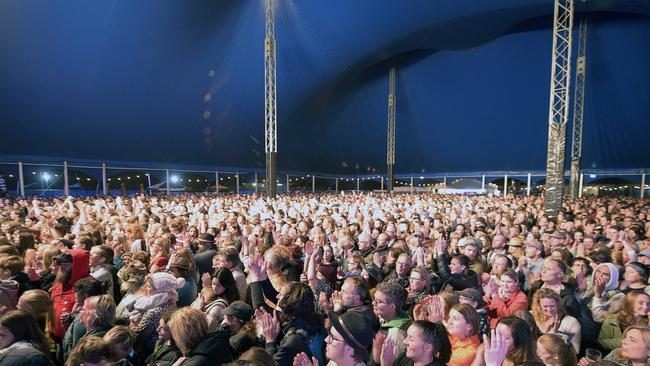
(306, 280)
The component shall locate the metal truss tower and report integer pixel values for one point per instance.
(390, 143)
(558, 106)
(270, 103)
(578, 112)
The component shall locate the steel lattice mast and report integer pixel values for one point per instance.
(578, 112)
(270, 104)
(558, 106)
(390, 143)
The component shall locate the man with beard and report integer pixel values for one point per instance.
(73, 266)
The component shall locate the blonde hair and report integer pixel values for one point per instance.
(39, 304)
(48, 256)
(121, 335)
(103, 310)
(187, 327)
(645, 334)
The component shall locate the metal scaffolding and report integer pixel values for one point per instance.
(558, 106)
(270, 103)
(578, 112)
(390, 144)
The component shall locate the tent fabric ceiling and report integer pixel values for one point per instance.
(182, 83)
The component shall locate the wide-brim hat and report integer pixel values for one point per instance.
(354, 329)
(206, 238)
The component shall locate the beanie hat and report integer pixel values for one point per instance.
(641, 269)
(165, 282)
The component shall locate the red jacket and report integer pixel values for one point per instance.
(497, 308)
(63, 296)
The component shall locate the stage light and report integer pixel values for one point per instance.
(174, 179)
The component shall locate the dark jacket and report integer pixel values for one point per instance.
(23, 282)
(214, 349)
(456, 281)
(294, 339)
(22, 354)
(164, 355)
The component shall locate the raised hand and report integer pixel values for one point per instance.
(270, 326)
(337, 300)
(377, 345)
(302, 359)
(388, 352)
(495, 349)
(256, 266)
(436, 310)
(206, 280)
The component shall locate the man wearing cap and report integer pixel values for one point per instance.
(236, 316)
(207, 250)
(557, 240)
(531, 263)
(473, 297)
(347, 343)
(644, 257)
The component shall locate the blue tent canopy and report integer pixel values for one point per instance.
(182, 83)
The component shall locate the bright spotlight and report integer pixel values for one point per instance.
(592, 176)
(46, 176)
(174, 179)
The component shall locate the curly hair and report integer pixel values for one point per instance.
(536, 308)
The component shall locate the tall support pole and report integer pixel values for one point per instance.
(288, 182)
(21, 179)
(270, 103)
(558, 106)
(582, 181)
(313, 184)
(237, 181)
(336, 185)
(382, 184)
(149, 182)
(256, 182)
(105, 181)
(216, 184)
(483, 182)
(412, 188)
(445, 181)
(578, 111)
(528, 185)
(167, 180)
(390, 144)
(66, 182)
(642, 186)
(358, 185)
(505, 185)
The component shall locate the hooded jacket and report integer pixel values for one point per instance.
(63, 295)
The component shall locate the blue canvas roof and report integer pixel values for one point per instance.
(181, 82)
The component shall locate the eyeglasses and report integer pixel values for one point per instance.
(375, 301)
(331, 338)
